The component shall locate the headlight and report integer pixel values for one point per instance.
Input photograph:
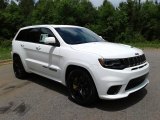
(112, 63)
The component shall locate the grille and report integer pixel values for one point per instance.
(135, 82)
(133, 61)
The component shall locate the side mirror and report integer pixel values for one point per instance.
(50, 40)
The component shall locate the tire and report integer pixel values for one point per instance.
(18, 68)
(81, 87)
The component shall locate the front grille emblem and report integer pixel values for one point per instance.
(136, 53)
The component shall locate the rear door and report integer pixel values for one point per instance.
(18, 45)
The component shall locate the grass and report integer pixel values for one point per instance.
(5, 53)
(5, 49)
(155, 44)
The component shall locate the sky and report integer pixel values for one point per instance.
(114, 2)
(97, 3)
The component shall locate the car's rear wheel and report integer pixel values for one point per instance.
(81, 87)
(18, 68)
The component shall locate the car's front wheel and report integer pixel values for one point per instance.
(81, 87)
(18, 68)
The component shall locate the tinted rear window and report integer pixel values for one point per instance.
(22, 36)
(29, 35)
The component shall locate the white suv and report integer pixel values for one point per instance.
(78, 58)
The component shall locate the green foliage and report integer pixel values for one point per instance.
(3, 4)
(5, 49)
(131, 21)
(5, 53)
(86, 13)
(11, 20)
(5, 43)
(150, 44)
(43, 12)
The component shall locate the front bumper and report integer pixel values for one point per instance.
(106, 78)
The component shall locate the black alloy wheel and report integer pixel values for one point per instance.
(81, 87)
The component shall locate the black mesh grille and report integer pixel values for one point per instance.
(123, 63)
(133, 61)
(135, 82)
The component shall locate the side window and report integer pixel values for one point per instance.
(45, 32)
(34, 35)
(22, 36)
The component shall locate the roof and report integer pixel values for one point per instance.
(54, 26)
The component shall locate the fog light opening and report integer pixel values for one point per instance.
(114, 90)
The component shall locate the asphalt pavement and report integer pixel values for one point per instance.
(38, 98)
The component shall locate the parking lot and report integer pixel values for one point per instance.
(38, 98)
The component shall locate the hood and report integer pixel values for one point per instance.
(108, 50)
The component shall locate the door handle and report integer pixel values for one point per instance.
(38, 48)
(22, 45)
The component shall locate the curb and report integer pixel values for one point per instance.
(3, 62)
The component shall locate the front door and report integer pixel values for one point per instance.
(41, 58)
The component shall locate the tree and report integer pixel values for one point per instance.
(45, 12)
(3, 4)
(11, 20)
(106, 18)
(26, 6)
(133, 20)
(66, 11)
(86, 13)
(150, 20)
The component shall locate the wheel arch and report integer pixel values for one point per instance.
(73, 67)
(24, 64)
(16, 55)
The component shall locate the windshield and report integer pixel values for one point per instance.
(72, 35)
